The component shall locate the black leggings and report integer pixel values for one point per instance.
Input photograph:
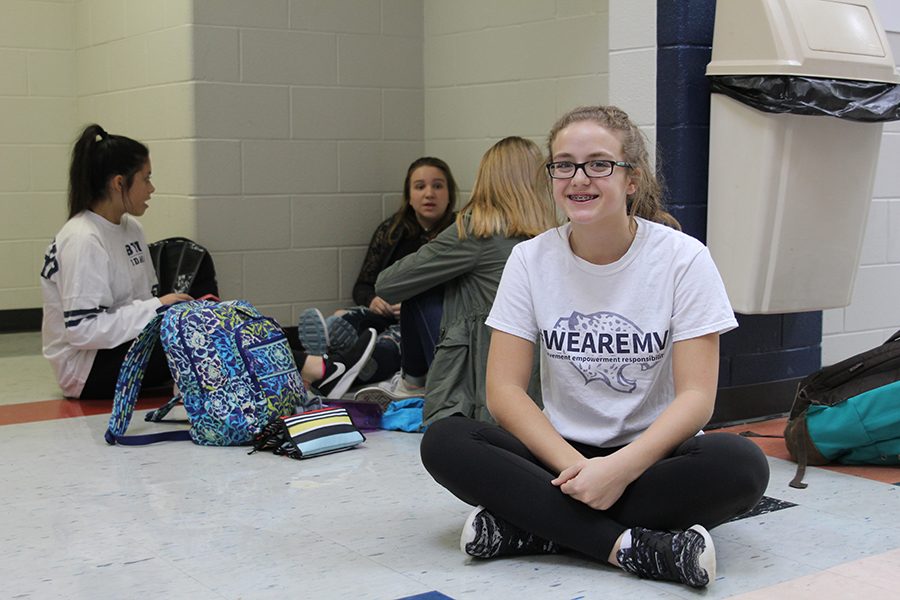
(101, 382)
(708, 479)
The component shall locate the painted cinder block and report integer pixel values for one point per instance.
(258, 13)
(289, 57)
(334, 220)
(403, 115)
(37, 120)
(342, 16)
(874, 304)
(14, 66)
(336, 113)
(216, 54)
(244, 222)
(380, 61)
(28, 24)
(285, 276)
(169, 55)
(288, 167)
(51, 73)
(231, 111)
(402, 17)
(375, 166)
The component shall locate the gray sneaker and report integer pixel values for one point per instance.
(687, 557)
(313, 332)
(397, 388)
(342, 335)
(485, 535)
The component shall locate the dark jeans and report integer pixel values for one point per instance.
(708, 479)
(420, 326)
(101, 382)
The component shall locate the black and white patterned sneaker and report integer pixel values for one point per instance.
(313, 332)
(487, 536)
(342, 368)
(687, 557)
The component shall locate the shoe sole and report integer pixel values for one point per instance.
(375, 396)
(349, 376)
(468, 531)
(341, 334)
(313, 332)
(707, 558)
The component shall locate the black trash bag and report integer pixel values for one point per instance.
(842, 98)
(183, 266)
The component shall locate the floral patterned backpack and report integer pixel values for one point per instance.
(233, 367)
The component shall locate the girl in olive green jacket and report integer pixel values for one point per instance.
(452, 280)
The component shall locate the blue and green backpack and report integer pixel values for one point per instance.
(848, 413)
(233, 368)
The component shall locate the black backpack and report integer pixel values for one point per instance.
(183, 266)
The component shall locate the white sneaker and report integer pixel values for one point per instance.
(396, 388)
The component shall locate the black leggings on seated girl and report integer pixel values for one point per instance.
(101, 382)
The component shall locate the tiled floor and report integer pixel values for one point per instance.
(85, 520)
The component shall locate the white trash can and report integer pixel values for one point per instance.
(801, 88)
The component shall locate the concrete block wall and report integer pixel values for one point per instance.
(133, 76)
(874, 313)
(65, 63)
(37, 104)
(632, 63)
(494, 69)
(308, 113)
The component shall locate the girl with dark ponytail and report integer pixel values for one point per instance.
(97, 279)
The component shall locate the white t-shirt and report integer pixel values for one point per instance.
(97, 286)
(606, 331)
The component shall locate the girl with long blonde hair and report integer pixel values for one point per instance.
(447, 287)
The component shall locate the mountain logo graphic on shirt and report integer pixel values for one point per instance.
(605, 346)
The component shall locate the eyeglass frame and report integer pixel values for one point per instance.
(612, 167)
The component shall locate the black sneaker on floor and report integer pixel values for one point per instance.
(341, 368)
(687, 557)
(487, 536)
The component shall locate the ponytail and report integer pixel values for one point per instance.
(97, 157)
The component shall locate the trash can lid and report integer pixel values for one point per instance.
(835, 39)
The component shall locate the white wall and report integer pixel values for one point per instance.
(632, 62)
(308, 113)
(508, 67)
(133, 76)
(279, 130)
(37, 114)
(874, 313)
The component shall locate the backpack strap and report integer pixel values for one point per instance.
(128, 386)
(157, 415)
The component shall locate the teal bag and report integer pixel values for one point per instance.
(848, 413)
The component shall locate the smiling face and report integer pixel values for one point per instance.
(428, 195)
(586, 200)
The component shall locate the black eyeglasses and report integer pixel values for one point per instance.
(566, 169)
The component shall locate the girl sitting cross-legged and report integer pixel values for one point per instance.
(625, 313)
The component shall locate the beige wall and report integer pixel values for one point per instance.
(279, 130)
(874, 313)
(508, 67)
(307, 115)
(133, 76)
(37, 116)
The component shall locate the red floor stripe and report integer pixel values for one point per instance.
(48, 410)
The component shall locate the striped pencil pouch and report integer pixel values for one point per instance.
(309, 434)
